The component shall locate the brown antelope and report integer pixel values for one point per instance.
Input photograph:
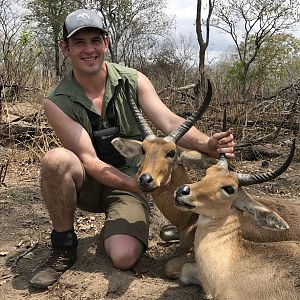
(227, 265)
(161, 161)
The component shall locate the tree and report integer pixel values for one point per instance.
(10, 24)
(48, 17)
(276, 67)
(259, 20)
(275, 61)
(203, 42)
(134, 26)
(173, 63)
(18, 51)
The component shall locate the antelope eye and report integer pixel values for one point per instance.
(171, 153)
(228, 189)
(143, 151)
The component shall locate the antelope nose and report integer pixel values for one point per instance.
(145, 179)
(183, 190)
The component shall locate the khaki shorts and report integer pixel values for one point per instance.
(126, 212)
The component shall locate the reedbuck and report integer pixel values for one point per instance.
(161, 162)
(227, 265)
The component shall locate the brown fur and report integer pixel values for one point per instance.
(162, 169)
(229, 266)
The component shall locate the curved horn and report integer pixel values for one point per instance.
(141, 122)
(222, 161)
(191, 120)
(224, 125)
(248, 179)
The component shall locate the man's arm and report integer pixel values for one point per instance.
(165, 120)
(75, 138)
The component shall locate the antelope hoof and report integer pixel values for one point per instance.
(169, 233)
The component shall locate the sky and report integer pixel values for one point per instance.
(184, 12)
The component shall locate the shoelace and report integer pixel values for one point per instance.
(56, 258)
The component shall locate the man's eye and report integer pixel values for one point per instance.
(171, 154)
(98, 42)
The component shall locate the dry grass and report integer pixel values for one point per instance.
(274, 119)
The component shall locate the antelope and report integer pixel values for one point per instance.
(227, 265)
(162, 160)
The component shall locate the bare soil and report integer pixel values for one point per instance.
(24, 243)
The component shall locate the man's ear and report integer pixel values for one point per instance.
(64, 47)
(262, 215)
(194, 158)
(106, 42)
(127, 148)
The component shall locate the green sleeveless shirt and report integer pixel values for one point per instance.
(71, 99)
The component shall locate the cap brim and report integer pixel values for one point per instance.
(81, 27)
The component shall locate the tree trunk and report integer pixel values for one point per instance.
(57, 66)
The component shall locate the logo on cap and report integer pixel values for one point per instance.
(83, 16)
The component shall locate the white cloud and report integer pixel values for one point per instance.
(184, 13)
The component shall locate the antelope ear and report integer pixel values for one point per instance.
(194, 158)
(262, 215)
(127, 148)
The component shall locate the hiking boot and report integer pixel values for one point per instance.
(60, 260)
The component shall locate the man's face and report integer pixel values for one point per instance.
(86, 49)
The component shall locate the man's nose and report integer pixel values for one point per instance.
(89, 47)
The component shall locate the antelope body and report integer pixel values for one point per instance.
(227, 265)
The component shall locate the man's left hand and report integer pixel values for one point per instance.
(222, 143)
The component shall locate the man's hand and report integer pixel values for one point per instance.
(222, 143)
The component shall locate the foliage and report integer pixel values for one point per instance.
(251, 24)
(22, 59)
(133, 26)
(48, 17)
(276, 60)
(19, 54)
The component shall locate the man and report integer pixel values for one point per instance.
(86, 173)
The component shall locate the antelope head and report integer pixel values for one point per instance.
(159, 155)
(220, 191)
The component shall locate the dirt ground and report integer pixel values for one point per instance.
(24, 243)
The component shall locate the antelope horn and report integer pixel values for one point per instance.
(249, 179)
(191, 120)
(141, 122)
(222, 161)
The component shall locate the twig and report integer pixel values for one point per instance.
(3, 171)
(244, 127)
(260, 139)
(34, 245)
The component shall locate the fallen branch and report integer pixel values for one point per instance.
(3, 171)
